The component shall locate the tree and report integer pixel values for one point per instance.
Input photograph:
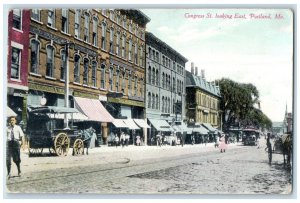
(238, 100)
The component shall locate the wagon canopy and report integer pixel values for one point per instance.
(51, 109)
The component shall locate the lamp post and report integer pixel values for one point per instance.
(67, 80)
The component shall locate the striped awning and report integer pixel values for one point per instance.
(142, 123)
(161, 125)
(93, 108)
(119, 123)
(131, 124)
(209, 127)
(201, 130)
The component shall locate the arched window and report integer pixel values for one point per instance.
(174, 84)
(35, 56)
(149, 100)
(135, 53)
(163, 104)
(123, 46)
(111, 76)
(103, 76)
(153, 76)
(163, 80)
(118, 80)
(94, 73)
(85, 71)
(118, 43)
(153, 101)
(111, 40)
(123, 82)
(50, 61)
(62, 64)
(77, 23)
(95, 31)
(169, 105)
(135, 86)
(130, 50)
(77, 68)
(150, 53)
(149, 75)
(157, 102)
(103, 37)
(129, 84)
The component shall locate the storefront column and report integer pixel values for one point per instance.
(104, 132)
(145, 135)
(24, 111)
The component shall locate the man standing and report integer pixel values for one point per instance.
(13, 140)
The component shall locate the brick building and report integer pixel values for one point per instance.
(106, 56)
(17, 86)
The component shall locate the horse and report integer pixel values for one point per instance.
(284, 145)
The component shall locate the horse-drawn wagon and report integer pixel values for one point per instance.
(45, 130)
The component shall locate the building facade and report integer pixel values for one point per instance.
(165, 81)
(17, 61)
(104, 50)
(203, 99)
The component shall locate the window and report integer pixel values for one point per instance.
(51, 18)
(153, 101)
(35, 14)
(129, 84)
(112, 15)
(153, 55)
(103, 76)
(94, 73)
(103, 38)
(50, 61)
(123, 82)
(130, 26)
(153, 77)
(118, 44)
(111, 75)
(77, 68)
(123, 46)
(157, 56)
(117, 80)
(130, 50)
(104, 12)
(149, 75)
(163, 80)
(141, 57)
(157, 78)
(65, 20)
(135, 54)
(15, 63)
(86, 27)
(34, 55)
(118, 19)
(85, 71)
(111, 41)
(77, 23)
(95, 31)
(174, 85)
(62, 64)
(163, 104)
(17, 19)
(157, 102)
(135, 86)
(142, 88)
(149, 100)
(124, 23)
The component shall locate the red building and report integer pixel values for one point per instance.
(17, 61)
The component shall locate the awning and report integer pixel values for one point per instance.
(200, 130)
(209, 127)
(93, 108)
(119, 123)
(51, 109)
(142, 123)
(75, 116)
(161, 125)
(10, 112)
(131, 124)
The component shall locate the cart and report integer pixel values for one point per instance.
(44, 130)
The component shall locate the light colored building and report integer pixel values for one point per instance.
(165, 82)
(203, 99)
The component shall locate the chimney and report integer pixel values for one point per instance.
(203, 73)
(192, 68)
(196, 71)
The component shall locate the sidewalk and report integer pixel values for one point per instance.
(110, 155)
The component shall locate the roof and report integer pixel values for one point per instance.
(199, 82)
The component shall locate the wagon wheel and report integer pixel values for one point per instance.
(61, 144)
(78, 147)
(34, 151)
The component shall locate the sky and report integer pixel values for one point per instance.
(248, 49)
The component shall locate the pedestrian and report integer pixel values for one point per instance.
(127, 137)
(222, 144)
(13, 142)
(122, 138)
(217, 142)
(138, 140)
(158, 139)
(116, 140)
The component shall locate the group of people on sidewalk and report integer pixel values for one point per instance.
(124, 139)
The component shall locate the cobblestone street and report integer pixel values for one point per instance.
(196, 169)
